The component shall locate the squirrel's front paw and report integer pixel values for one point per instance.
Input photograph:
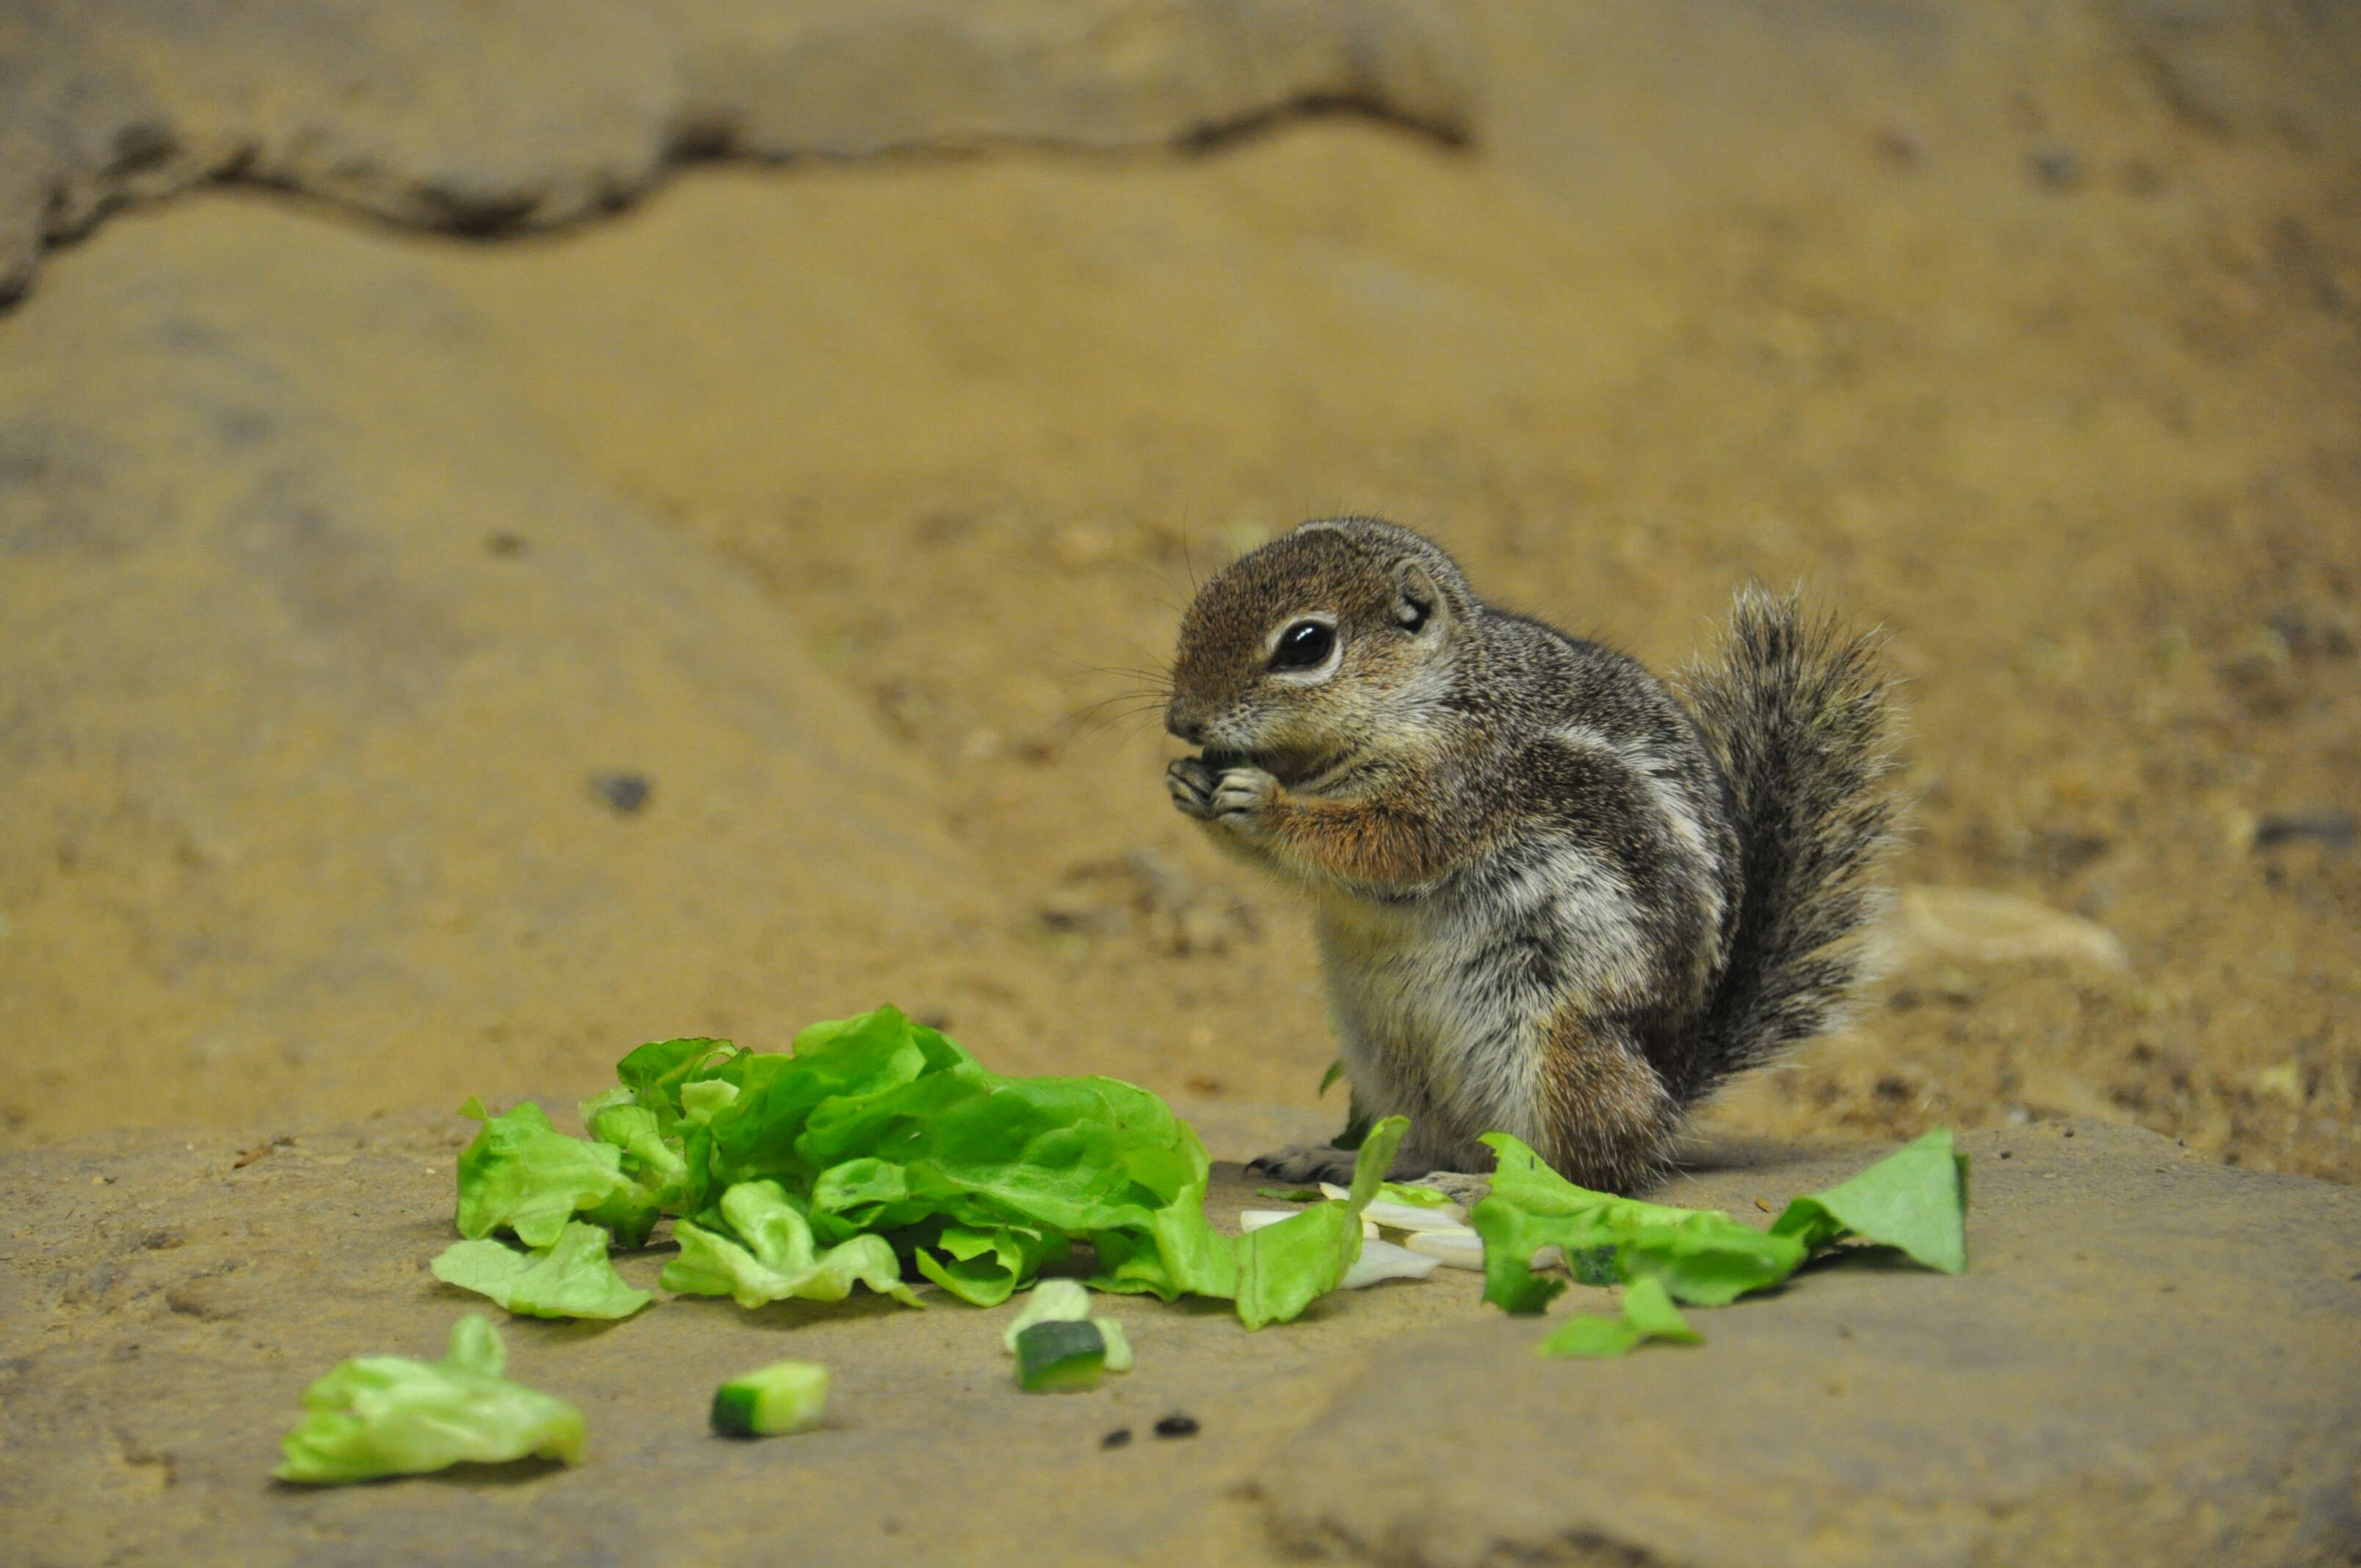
(1241, 797)
(1235, 797)
(1193, 782)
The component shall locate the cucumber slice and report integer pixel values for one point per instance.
(1052, 1301)
(787, 1395)
(1058, 1355)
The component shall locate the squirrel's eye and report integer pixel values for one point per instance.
(1303, 646)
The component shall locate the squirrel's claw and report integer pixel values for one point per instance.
(1235, 797)
(1193, 783)
(1242, 795)
(1305, 1163)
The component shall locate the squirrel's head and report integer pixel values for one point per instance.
(1335, 640)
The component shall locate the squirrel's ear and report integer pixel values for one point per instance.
(1419, 607)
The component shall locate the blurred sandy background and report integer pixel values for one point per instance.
(433, 665)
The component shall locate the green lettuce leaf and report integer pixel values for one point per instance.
(1648, 1313)
(388, 1415)
(983, 1267)
(880, 1144)
(1413, 1197)
(569, 1278)
(1700, 1256)
(763, 1251)
(1915, 1199)
(653, 1074)
(656, 1164)
(520, 1175)
(1285, 1268)
(1707, 1259)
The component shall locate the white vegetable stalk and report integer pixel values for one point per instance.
(1396, 1216)
(1459, 1248)
(1255, 1219)
(1383, 1260)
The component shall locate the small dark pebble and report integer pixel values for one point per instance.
(506, 546)
(2332, 829)
(1177, 1426)
(2055, 169)
(2070, 1131)
(1898, 149)
(1117, 1437)
(2008, 1154)
(621, 793)
(2065, 851)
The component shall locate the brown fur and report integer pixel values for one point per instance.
(1385, 840)
(1611, 1120)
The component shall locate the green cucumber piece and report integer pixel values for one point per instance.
(787, 1395)
(1058, 1355)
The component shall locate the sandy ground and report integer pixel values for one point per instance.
(2056, 382)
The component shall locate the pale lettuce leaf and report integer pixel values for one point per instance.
(388, 1415)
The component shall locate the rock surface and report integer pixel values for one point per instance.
(523, 113)
(2153, 1359)
(417, 751)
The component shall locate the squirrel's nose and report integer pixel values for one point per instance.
(1190, 730)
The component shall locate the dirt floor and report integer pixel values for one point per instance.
(2056, 378)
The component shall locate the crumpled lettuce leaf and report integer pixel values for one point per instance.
(983, 1267)
(1413, 1197)
(569, 1278)
(1285, 1268)
(1915, 1199)
(1699, 1256)
(1648, 1313)
(880, 1130)
(523, 1176)
(388, 1415)
(766, 1253)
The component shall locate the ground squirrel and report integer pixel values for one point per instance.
(1552, 900)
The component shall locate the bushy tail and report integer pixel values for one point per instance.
(1799, 712)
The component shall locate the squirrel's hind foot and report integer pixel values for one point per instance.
(1304, 1164)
